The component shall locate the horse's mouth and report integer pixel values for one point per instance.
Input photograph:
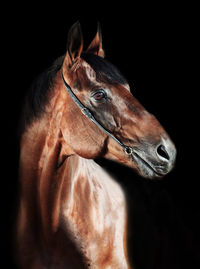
(145, 168)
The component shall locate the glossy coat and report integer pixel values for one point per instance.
(72, 213)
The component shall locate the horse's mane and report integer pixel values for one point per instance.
(37, 95)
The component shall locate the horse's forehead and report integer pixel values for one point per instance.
(90, 73)
(92, 77)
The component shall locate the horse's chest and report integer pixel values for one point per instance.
(95, 216)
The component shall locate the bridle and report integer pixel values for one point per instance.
(128, 150)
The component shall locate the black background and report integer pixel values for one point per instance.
(155, 47)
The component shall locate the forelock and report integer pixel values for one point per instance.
(105, 71)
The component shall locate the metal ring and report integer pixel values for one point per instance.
(128, 150)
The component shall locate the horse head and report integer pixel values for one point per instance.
(106, 93)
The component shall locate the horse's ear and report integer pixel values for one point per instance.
(74, 44)
(95, 46)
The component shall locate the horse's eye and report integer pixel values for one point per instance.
(99, 95)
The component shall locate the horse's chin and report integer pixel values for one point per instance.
(145, 169)
(148, 173)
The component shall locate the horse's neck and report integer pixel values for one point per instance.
(93, 184)
(94, 209)
(40, 157)
(77, 195)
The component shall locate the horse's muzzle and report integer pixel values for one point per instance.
(154, 161)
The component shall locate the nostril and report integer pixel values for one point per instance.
(162, 152)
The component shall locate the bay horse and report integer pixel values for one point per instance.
(72, 213)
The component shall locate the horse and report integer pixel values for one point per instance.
(72, 213)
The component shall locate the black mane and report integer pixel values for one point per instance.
(37, 96)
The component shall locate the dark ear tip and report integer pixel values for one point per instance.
(98, 27)
(75, 26)
(74, 32)
(74, 42)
